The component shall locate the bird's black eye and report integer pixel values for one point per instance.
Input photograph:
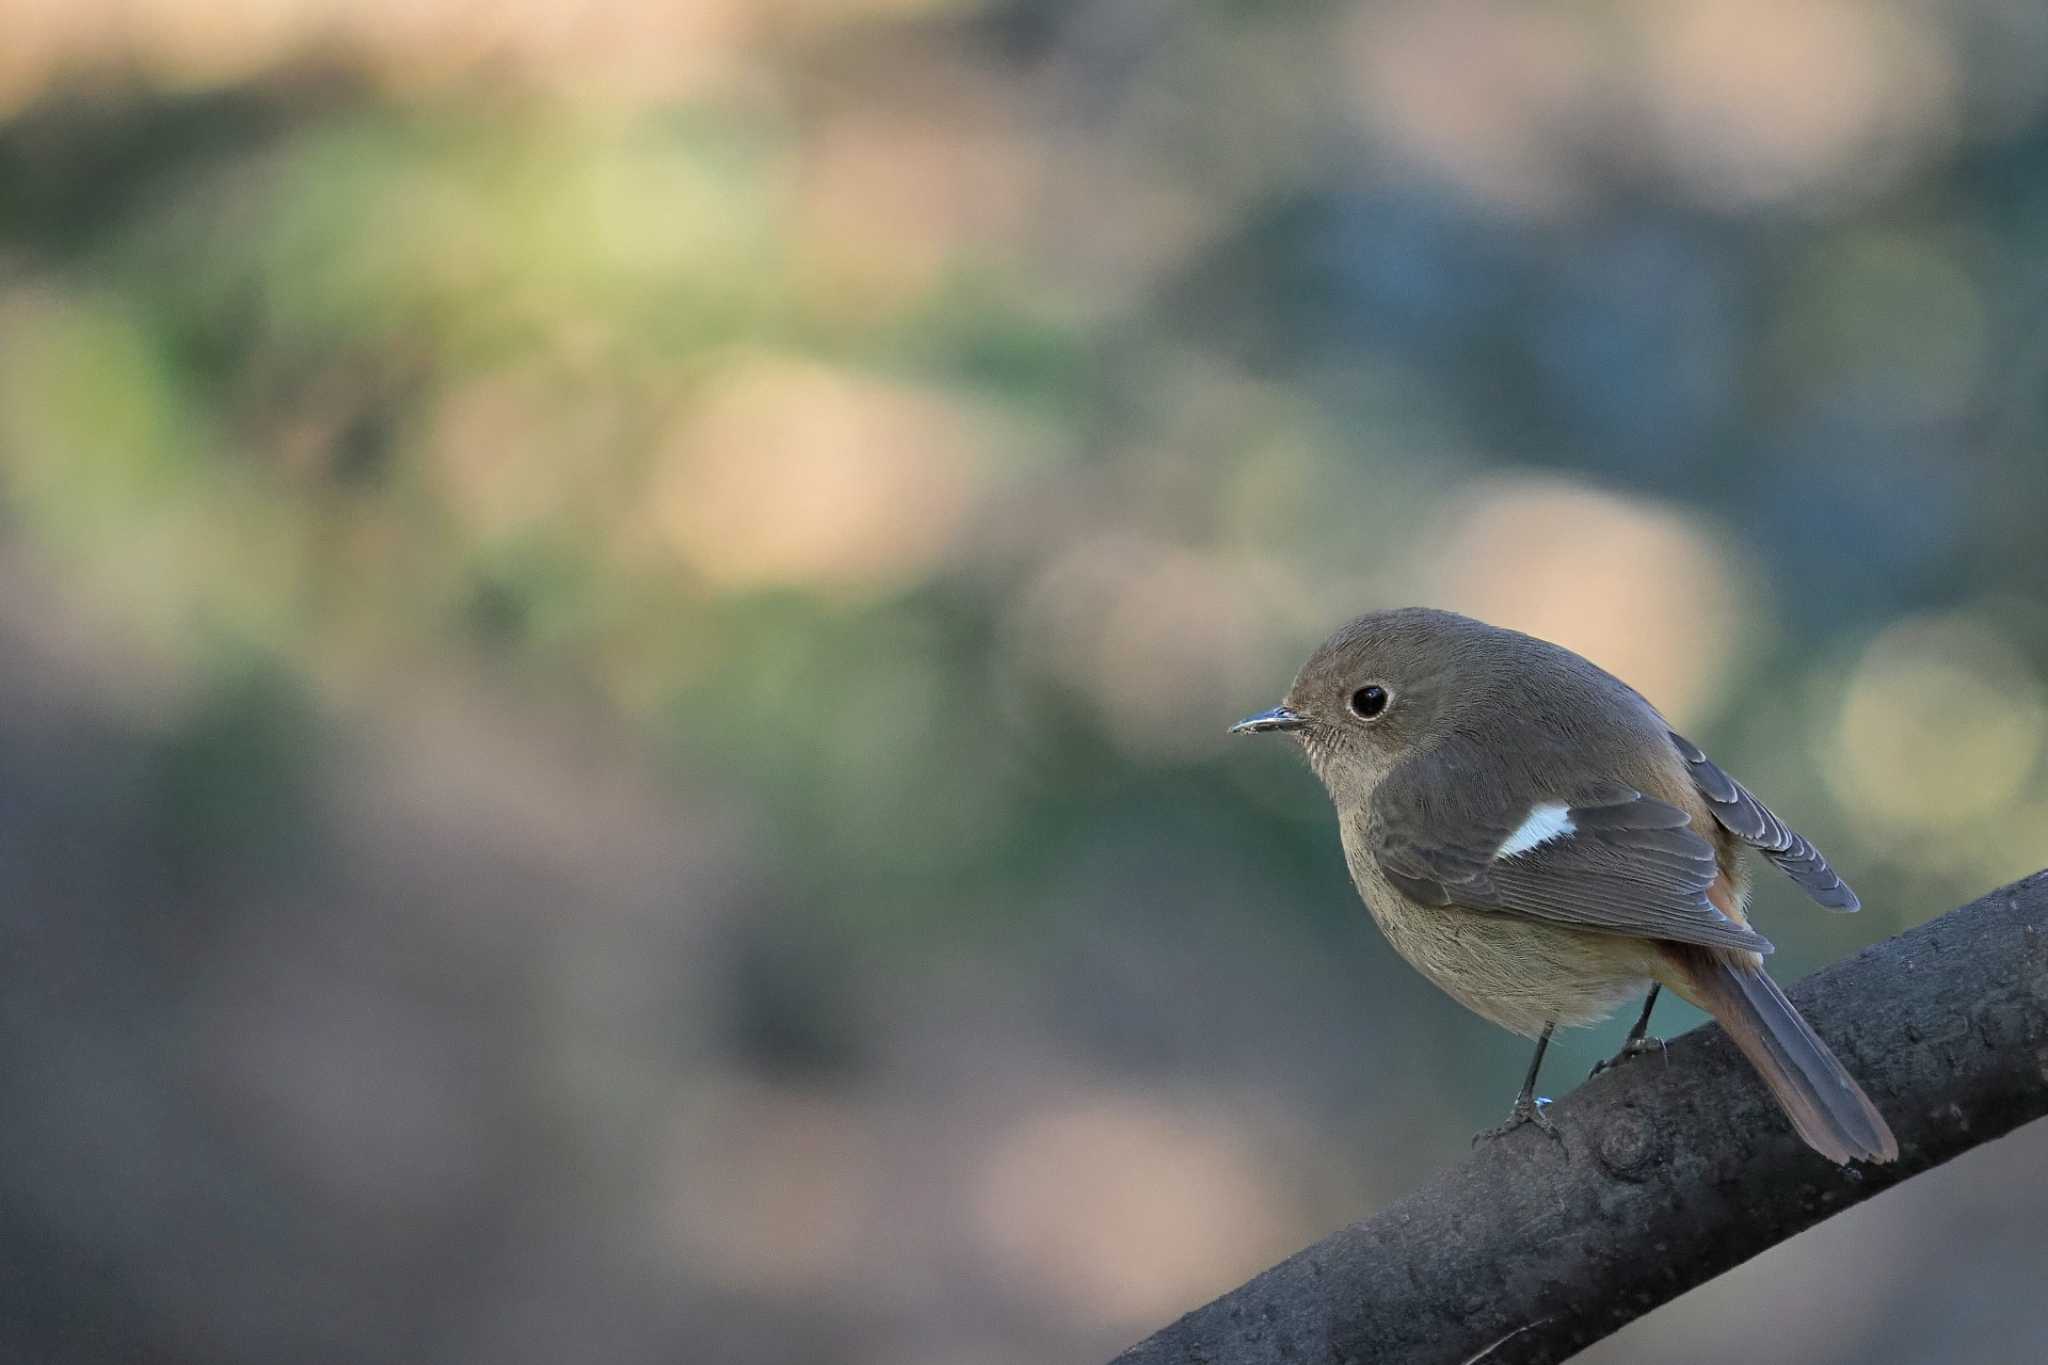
(1369, 701)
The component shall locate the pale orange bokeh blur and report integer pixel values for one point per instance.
(1654, 595)
(791, 473)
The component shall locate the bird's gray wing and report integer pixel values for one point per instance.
(1751, 821)
(1612, 860)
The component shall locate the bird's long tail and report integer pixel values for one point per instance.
(1820, 1097)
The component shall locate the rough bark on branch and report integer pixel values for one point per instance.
(1666, 1176)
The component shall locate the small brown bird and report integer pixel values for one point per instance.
(1536, 840)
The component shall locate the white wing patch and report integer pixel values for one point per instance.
(1549, 820)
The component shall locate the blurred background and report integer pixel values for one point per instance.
(617, 620)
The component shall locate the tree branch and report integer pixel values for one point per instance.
(1666, 1176)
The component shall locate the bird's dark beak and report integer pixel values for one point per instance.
(1279, 718)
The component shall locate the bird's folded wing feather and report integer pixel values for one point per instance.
(1611, 860)
(1751, 821)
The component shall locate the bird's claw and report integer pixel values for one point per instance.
(1634, 1047)
(1528, 1109)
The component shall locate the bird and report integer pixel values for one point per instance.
(1538, 841)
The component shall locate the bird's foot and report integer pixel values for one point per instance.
(1528, 1109)
(1634, 1047)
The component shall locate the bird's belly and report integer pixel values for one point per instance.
(1519, 973)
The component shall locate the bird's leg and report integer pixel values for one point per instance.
(1528, 1108)
(1635, 1043)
